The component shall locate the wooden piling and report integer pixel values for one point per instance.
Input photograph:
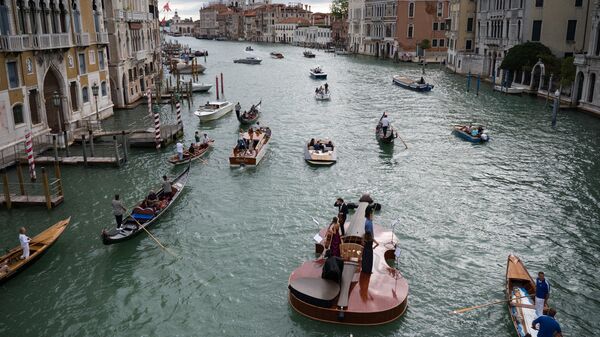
(20, 177)
(116, 145)
(58, 176)
(84, 152)
(217, 87)
(55, 146)
(6, 189)
(124, 144)
(91, 143)
(66, 143)
(46, 188)
(222, 85)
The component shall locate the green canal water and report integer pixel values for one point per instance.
(532, 190)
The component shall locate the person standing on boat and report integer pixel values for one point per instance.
(548, 326)
(118, 210)
(336, 239)
(238, 108)
(24, 240)
(179, 147)
(369, 220)
(367, 254)
(326, 87)
(385, 124)
(205, 141)
(342, 213)
(197, 137)
(542, 292)
(167, 188)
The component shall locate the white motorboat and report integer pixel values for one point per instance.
(196, 86)
(323, 96)
(318, 73)
(186, 68)
(249, 60)
(342, 52)
(320, 152)
(213, 110)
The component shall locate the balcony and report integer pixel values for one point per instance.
(51, 41)
(15, 43)
(579, 60)
(140, 55)
(102, 38)
(82, 39)
(119, 14)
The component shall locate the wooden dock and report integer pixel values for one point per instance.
(138, 137)
(75, 160)
(44, 192)
(33, 200)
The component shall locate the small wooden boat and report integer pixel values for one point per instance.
(213, 110)
(37, 247)
(354, 298)
(309, 54)
(411, 84)
(325, 153)
(510, 91)
(145, 217)
(342, 52)
(520, 291)
(276, 55)
(464, 132)
(199, 151)
(201, 53)
(389, 136)
(323, 96)
(250, 116)
(248, 60)
(249, 48)
(258, 146)
(318, 73)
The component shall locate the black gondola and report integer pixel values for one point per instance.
(251, 116)
(145, 217)
(390, 134)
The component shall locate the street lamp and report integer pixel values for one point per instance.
(95, 93)
(56, 103)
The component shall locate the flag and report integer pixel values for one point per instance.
(166, 7)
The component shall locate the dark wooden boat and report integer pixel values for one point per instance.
(520, 291)
(411, 84)
(249, 117)
(388, 137)
(199, 152)
(359, 298)
(276, 55)
(461, 133)
(145, 217)
(309, 54)
(37, 247)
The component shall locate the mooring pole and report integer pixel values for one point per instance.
(116, 145)
(91, 143)
(20, 177)
(84, 152)
(124, 142)
(46, 188)
(6, 189)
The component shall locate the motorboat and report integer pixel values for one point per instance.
(342, 52)
(471, 133)
(323, 96)
(330, 50)
(213, 110)
(248, 60)
(309, 54)
(318, 73)
(411, 84)
(320, 152)
(184, 68)
(196, 86)
(249, 48)
(256, 143)
(276, 55)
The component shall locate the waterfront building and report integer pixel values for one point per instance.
(55, 74)
(356, 24)
(133, 56)
(380, 28)
(312, 36)
(231, 23)
(209, 25)
(183, 27)
(339, 32)
(418, 20)
(587, 97)
(460, 34)
(249, 22)
(284, 30)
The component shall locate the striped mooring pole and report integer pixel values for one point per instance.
(149, 97)
(157, 127)
(178, 109)
(29, 152)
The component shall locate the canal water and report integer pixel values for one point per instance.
(532, 190)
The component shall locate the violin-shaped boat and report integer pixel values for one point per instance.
(357, 298)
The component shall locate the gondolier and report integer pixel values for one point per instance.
(342, 213)
(385, 124)
(238, 108)
(542, 292)
(24, 240)
(179, 146)
(118, 210)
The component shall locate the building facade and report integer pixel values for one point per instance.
(312, 36)
(52, 55)
(134, 59)
(587, 93)
(356, 23)
(419, 20)
(184, 27)
(284, 30)
(460, 34)
(380, 28)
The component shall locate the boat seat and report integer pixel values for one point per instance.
(351, 251)
(311, 147)
(316, 291)
(347, 276)
(327, 148)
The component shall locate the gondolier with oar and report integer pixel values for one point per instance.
(385, 123)
(238, 108)
(542, 292)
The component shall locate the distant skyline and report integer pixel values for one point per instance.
(190, 8)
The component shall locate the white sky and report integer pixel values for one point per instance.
(190, 8)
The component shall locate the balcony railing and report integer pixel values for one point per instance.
(51, 41)
(579, 60)
(15, 42)
(140, 55)
(82, 39)
(119, 14)
(102, 38)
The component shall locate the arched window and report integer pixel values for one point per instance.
(4, 21)
(103, 89)
(54, 17)
(591, 87)
(77, 17)
(32, 21)
(44, 17)
(18, 114)
(63, 17)
(411, 9)
(21, 16)
(85, 95)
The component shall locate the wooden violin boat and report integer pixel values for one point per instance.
(359, 298)
(37, 247)
(259, 144)
(144, 216)
(249, 117)
(520, 291)
(322, 157)
(199, 152)
(276, 55)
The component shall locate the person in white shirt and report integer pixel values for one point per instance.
(24, 239)
(205, 140)
(179, 150)
(385, 124)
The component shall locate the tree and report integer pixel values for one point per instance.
(339, 8)
(425, 44)
(525, 56)
(567, 71)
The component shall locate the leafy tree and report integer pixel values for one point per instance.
(525, 56)
(425, 44)
(567, 71)
(339, 8)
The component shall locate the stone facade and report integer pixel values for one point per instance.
(356, 25)
(587, 93)
(380, 28)
(312, 36)
(420, 20)
(460, 33)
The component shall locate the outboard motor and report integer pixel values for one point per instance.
(484, 137)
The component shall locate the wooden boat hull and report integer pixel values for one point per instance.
(519, 284)
(246, 61)
(413, 85)
(310, 56)
(463, 135)
(237, 161)
(129, 224)
(248, 121)
(37, 247)
(389, 139)
(276, 55)
(198, 154)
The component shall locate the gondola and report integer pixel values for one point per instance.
(459, 131)
(249, 117)
(199, 152)
(37, 247)
(145, 217)
(388, 137)
(309, 54)
(520, 290)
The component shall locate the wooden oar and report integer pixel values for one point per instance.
(152, 236)
(402, 140)
(460, 311)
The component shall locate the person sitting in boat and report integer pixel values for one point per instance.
(267, 132)
(311, 143)
(151, 200)
(330, 145)
(241, 143)
(480, 130)
(4, 268)
(191, 149)
(422, 80)
(474, 132)
(207, 104)
(205, 141)
(317, 90)
(167, 188)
